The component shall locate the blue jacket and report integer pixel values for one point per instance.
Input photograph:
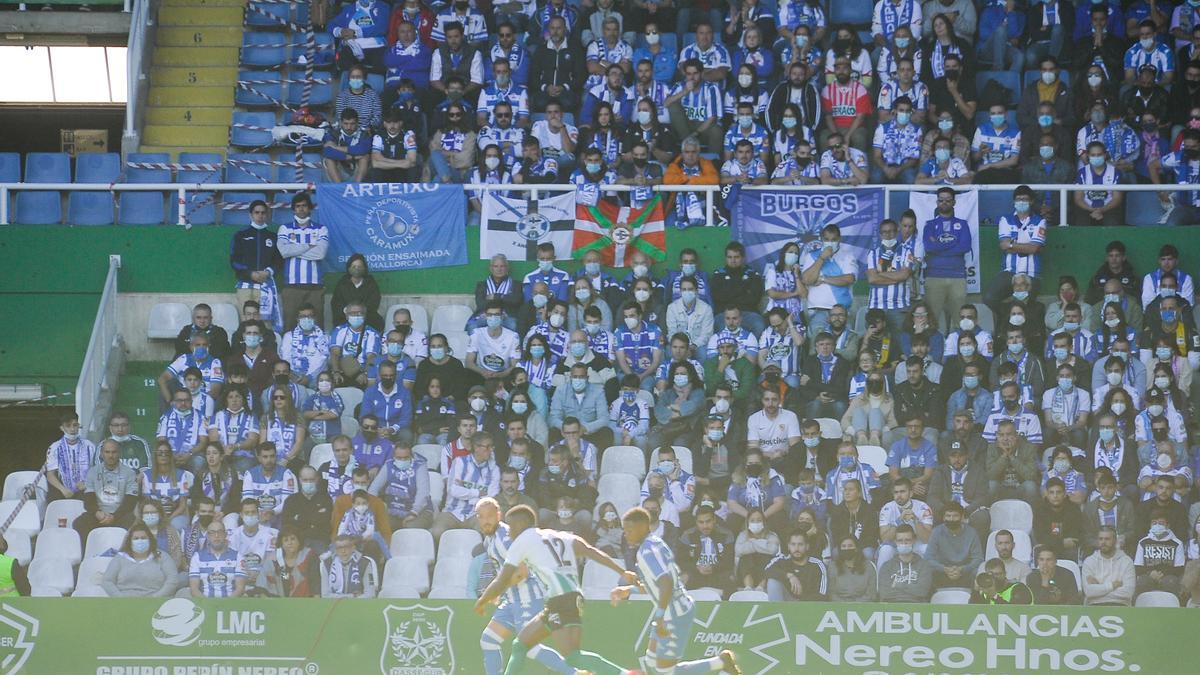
(375, 26)
(253, 250)
(947, 243)
(393, 410)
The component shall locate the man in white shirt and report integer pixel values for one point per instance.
(829, 272)
(493, 349)
(416, 343)
(1109, 577)
(253, 541)
(903, 509)
(775, 430)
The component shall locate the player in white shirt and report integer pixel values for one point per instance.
(553, 559)
(674, 610)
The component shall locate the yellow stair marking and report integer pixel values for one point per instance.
(174, 151)
(195, 56)
(201, 76)
(189, 136)
(188, 116)
(199, 36)
(185, 96)
(202, 16)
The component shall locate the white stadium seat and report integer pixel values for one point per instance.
(1012, 514)
(831, 429)
(1156, 599)
(1073, 567)
(59, 542)
(167, 319)
(951, 596)
(449, 593)
(349, 426)
(321, 453)
(406, 571)
(420, 318)
(622, 489)
(19, 546)
(705, 594)
(748, 596)
(437, 490)
(52, 573)
(450, 319)
(873, 456)
(225, 315)
(458, 341)
(15, 482)
(103, 538)
(351, 397)
(624, 459)
(432, 452)
(987, 320)
(684, 455)
(1022, 546)
(414, 544)
(458, 544)
(91, 573)
(60, 510)
(42, 591)
(451, 573)
(28, 519)
(399, 592)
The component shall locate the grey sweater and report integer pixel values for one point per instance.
(153, 577)
(847, 586)
(901, 581)
(961, 550)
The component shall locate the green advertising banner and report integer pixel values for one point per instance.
(433, 637)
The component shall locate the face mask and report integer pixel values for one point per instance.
(439, 353)
(1096, 161)
(1147, 43)
(540, 300)
(140, 546)
(904, 549)
(666, 466)
(1021, 207)
(395, 349)
(308, 487)
(150, 519)
(355, 82)
(1066, 383)
(1162, 382)
(578, 349)
(721, 405)
(325, 386)
(556, 320)
(801, 41)
(1016, 320)
(1049, 78)
(1166, 292)
(355, 321)
(966, 324)
(387, 382)
(1169, 315)
(945, 125)
(790, 258)
(632, 322)
(996, 120)
(478, 404)
(745, 80)
(1070, 326)
(122, 439)
(579, 383)
(812, 442)
(789, 123)
(643, 117)
(253, 341)
(1114, 379)
(200, 353)
(681, 381)
(1061, 466)
(1022, 296)
(1016, 347)
(1118, 409)
(1106, 435)
(403, 464)
(652, 38)
(831, 245)
(1046, 151)
(250, 521)
(1124, 356)
(715, 435)
(537, 351)
(1158, 530)
(688, 269)
(754, 528)
(967, 350)
(360, 509)
(846, 462)
(593, 167)
(1093, 81)
(640, 271)
(554, 469)
(71, 437)
(970, 381)
(641, 295)
(1097, 118)
(1155, 410)
(591, 328)
(492, 163)
(517, 462)
(307, 323)
(942, 154)
(688, 297)
(1112, 298)
(610, 517)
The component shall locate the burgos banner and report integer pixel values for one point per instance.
(397, 226)
(434, 637)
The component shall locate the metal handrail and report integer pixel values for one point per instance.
(135, 60)
(93, 373)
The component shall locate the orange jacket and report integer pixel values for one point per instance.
(674, 176)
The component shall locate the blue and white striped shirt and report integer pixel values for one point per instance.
(357, 344)
(889, 296)
(702, 103)
(467, 482)
(523, 593)
(1031, 230)
(654, 561)
(183, 432)
(233, 428)
(303, 249)
(216, 573)
(1161, 57)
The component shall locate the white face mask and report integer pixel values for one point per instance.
(632, 322)
(492, 162)
(652, 38)
(1114, 379)
(478, 404)
(966, 324)
(643, 117)
(1162, 382)
(721, 405)
(745, 80)
(754, 528)
(1155, 410)
(1061, 465)
(1164, 461)
(556, 320)
(1118, 409)
(641, 295)
(325, 386)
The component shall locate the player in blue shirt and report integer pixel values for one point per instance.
(674, 612)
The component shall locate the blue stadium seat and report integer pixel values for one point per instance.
(239, 216)
(266, 86)
(200, 209)
(1142, 208)
(1005, 78)
(688, 39)
(993, 205)
(313, 175)
(252, 138)
(1032, 76)
(258, 52)
(10, 167)
(897, 203)
(249, 174)
(320, 94)
(43, 208)
(856, 12)
(324, 50)
(375, 80)
(143, 208)
(283, 214)
(93, 208)
(275, 12)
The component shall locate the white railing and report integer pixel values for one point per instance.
(135, 75)
(181, 190)
(93, 374)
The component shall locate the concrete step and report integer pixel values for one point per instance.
(188, 136)
(186, 116)
(189, 96)
(199, 36)
(174, 151)
(187, 17)
(194, 56)
(200, 76)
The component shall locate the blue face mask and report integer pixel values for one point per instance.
(403, 464)
(997, 120)
(438, 353)
(520, 407)
(970, 381)
(811, 442)
(1016, 347)
(537, 351)
(1045, 120)
(945, 125)
(201, 353)
(494, 321)
(1169, 315)
(1046, 151)
(517, 462)
(1070, 326)
(395, 349)
(140, 546)
(1106, 435)
(554, 469)
(903, 42)
(1096, 161)
(307, 323)
(846, 462)
(942, 155)
(903, 118)
(355, 82)
(578, 349)
(356, 321)
(593, 167)
(1162, 353)
(1021, 295)
(1066, 383)
(1060, 353)
(592, 268)
(253, 341)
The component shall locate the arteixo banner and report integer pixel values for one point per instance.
(431, 637)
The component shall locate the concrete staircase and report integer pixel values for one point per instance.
(192, 77)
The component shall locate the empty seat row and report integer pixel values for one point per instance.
(272, 50)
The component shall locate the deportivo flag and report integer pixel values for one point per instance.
(515, 227)
(616, 231)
